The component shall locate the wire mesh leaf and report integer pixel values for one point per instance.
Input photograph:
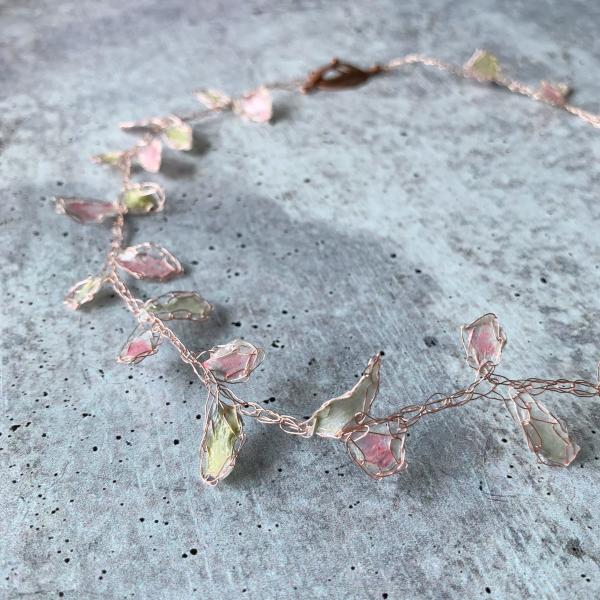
(112, 159)
(143, 198)
(483, 341)
(141, 343)
(149, 155)
(149, 261)
(85, 211)
(222, 440)
(554, 93)
(255, 106)
(232, 362)
(213, 99)
(378, 448)
(177, 134)
(179, 305)
(331, 418)
(483, 65)
(546, 435)
(83, 292)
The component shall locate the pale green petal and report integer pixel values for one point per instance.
(108, 158)
(331, 418)
(483, 65)
(83, 292)
(143, 198)
(223, 438)
(178, 137)
(179, 305)
(546, 435)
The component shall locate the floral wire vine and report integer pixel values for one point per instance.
(375, 444)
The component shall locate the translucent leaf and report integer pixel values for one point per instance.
(378, 449)
(112, 159)
(255, 106)
(85, 211)
(83, 292)
(179, 305)
(546, 435)
(177, 134)
(143, 125)
(149, 155)
(141, 343)
(554, 93)
(213, 99)
(331, 418)
(149, 261)
(483, 66)
(222, 440)
(483, 341)
(143, 198)
(232, 362)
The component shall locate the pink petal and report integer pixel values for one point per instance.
(137, 347)
(556, 94)
(85, 211)
(483, 340)
(149, 155)
(378, 448)
(255, 106)
(233, 362)
(142, 342)
(149, 261)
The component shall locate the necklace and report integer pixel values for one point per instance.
(376, 444)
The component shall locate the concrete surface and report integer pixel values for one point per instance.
(359, 221)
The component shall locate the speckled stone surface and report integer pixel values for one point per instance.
(378, 219)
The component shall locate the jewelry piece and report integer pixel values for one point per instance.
(376, 444)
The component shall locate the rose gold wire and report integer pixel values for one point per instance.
(488, 384)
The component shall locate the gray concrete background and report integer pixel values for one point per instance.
(357, 222)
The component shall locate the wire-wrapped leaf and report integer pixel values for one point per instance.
(221, 442)
(149, 261)
(232, 362)
(554, 93)
(112, 159)
(546, 435)
(141, 343)
(83, 292)
(85, 211)
(213, 99)
(143, 198)
(177, 134)
(179, 305)
(149, 155)
(153, 125)
(331, 418)
(483, 66)
(483, 341)
(255, 106)
(378, 448)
